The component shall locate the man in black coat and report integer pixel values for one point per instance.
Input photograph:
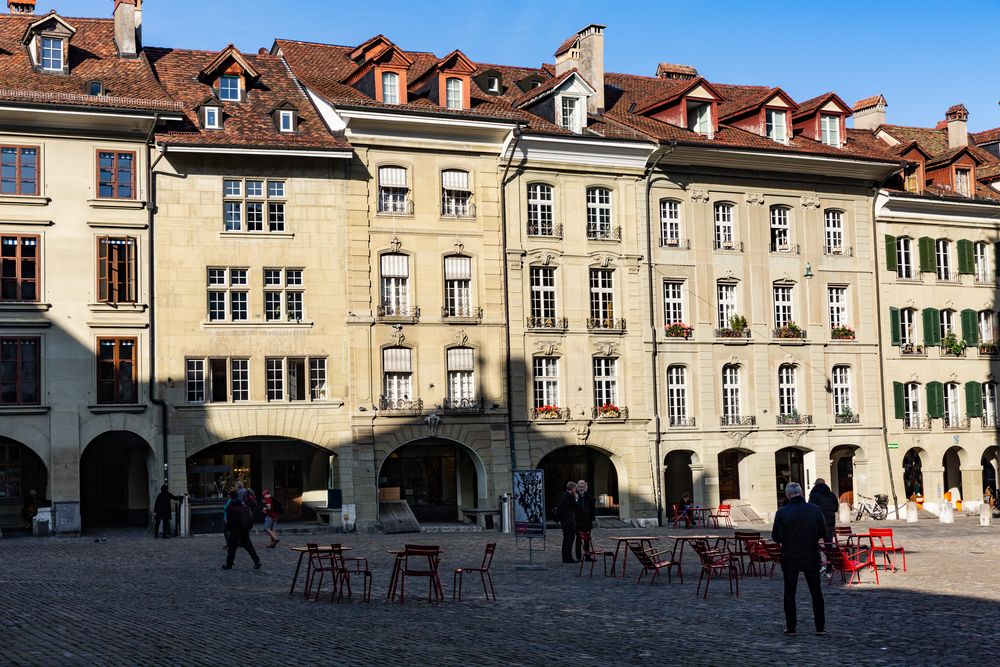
(586, 514)
(162, 509)
(566, 514)
(822, 497)
(238, 533)
(798, 528)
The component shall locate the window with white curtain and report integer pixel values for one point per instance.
(456, 194)
(987, 327)
(458, 286)
(830, 130)
(777, 125)
(390, 87)
(461, 377)
(395, 284)
(453, 93)
(989, 403)
(397, 375)
(393, 191)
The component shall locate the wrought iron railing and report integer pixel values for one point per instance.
(400, 405)
(728, 332)
(729, 246)
(468, 312)
(838, 251)
(847, 418)
(790, 332)
(785, 248)
(603, 233)
(462, 406)
(390, 311)
(391, 207)
(955, 423)
(549, 412)
(794, 420)
(457, 209)
(681, 422)
(676, 244)
(916, 423)
(547, 229)
(547, 323)
(737, 420)
(606, 323)
(609, 412)
(912, 350)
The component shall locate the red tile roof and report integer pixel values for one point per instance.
(986, 136)
(869, 102)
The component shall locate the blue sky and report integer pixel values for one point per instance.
(854, 48)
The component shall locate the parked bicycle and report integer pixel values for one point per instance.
(877, 507)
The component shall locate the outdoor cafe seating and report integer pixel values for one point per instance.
(848, 562)
(591, 553)
(883, 542)
(715, 562)
(484, 574)
(651, 562)
(417, 561)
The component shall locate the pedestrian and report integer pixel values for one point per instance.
(239, 523)
(272, 510)
(162, 509)
(798, 528)
(823, 497)
(565, 512)
(586, 515)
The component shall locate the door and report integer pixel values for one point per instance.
(288, 487)
(729, 476)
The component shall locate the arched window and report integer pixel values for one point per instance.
(780, 229)
(787, 400)
(540, 222)
(724, 226)
(833, 227)
(456, 194)
(670, 223)
(454, 98)
(390, 87)
(943, 253)
(461, 379)
(904, 258)
(457, 286)
(393, 191)
(840, 383)
(730, 394)
(599, 213)
(677, 396)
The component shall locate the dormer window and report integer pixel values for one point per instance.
(699, 117)
(52, 54)
(572, 118)
(453, 93)
(777, 125)
(829, 127)
(212, 118)
(493, 84)
(286, 120)
(229, 88)
(962, 179)
(390, 87)
(95, 88)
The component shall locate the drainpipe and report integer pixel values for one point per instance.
(658, 481)
(518, 128)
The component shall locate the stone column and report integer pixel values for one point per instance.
(698, 485)
(64, 470)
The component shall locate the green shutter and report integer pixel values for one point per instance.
(966, 259)
(928, 261)
(897, 399)
(890, 253)
(932, 326)
(970, 327)
(894, 336)
(973, 399)
(935, 400)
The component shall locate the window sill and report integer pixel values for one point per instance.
(118, 324)
(117, 225)
(258, 324)
(104, 409)
(25, 200)
(117, 203)
(12, 410)
(118, 307)
(256, 235)
(24, 307)
(259, 405)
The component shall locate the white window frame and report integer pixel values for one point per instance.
(286, 120)
(673, 302)
(212, 117)
(982, 262)
(942, 250)
(904, 258)
(952, 404)
(989, 403)
(605, 371)
(833, 229)
(911, 403)
(458, 290)
(947, 319)
(53, 51)
(776, 123)
(727, 303)
(837, 304)
(600, 221)
(830, 129)
(780, 227)
(963, 179)
(225, 92)
(602, 296)
(699, 117)
(456, 199)
(254, 205)
(570, 113)
(545, 381)
(787, 396)
(731, 391)
(390, 87)
(274, 378)
(540, 212)
(784, 305)
(284, 294)
(670, 223)
(394, 292)
(230, 288)
(239, 379)
(397, 384)
(195, 380)
(461, 379)
(543, 291)
(677, 395)
(392, 199)
(987, 321)
(454, 98)
(840, 383)
(907, 326)
(725, 225)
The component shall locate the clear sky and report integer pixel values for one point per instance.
(923, 56)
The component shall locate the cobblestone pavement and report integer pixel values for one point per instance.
(131, 600)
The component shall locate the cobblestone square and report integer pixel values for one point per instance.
(132, 600)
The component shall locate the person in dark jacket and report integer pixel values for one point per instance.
(566, 514)
(798, 528)
(822, 497)
(239, 535)
(586, 514)
(162, 509)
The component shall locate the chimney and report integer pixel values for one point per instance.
(676, 72)
(585, 52)
(958, 134)
(869, 113)
(21, 6)
(128, 19)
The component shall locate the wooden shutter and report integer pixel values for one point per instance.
(973, 399)
(935, 400)
(102, 269)
(928, 261)
(966, 260)
(894, 333)
(897, 399)
(932, 326)
(970, 327)
(890, 253)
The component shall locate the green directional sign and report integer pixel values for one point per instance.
(893, 445)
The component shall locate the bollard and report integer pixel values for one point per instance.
(985, 515)
(911, 512)
(947, 513)
(844, 514)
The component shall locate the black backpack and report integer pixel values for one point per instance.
(244, 518)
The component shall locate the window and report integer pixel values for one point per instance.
(453, 93)
(836, 298)
(19, 268)
(731, 392)
(598, 213)
(947, 319)
(461, 377)
(982, 262)
(911, 404)
(458, 286)
(677, 396)
(286, 120)
(116, 372)
(52, 54)
(670, 223)
(727, 303)
(95, 88)
(782, 306)
(912, 179)
(952, 405)
(493, 84)
(904, 258)
(116, 274)
(397, 370)
(699, 117)
(229, 88)
(943, 251)
(116, 175)
(227, 288)
(275, 379)
(841, 385)
(456, 194)
(546, 380)
(787, 404)
(18, 170)
(283, 296)
(962, 182)
(833, 225)
(602, 297)
(829, 127)
(571, 116)
(395, 285)
(10, 471)
(989, 404)
(724, 226)
(779, 229)
(776, 125)
(543, 292)
(195, 380)
(605, 381)
(540, 210)
(20, 371)
(212, 118)
(317, 379)
(987, 327)
(673, 302)
(248, 199)
(390, 87)
(393, 192)
(907, 326)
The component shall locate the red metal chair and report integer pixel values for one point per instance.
(843, 534)
(760, 557)
(722, 514)
(746, 546)
(650, 562)
(318, 562)
(844, 561)
(590, 554)
(421, 561)
(715, 561)
(342, 573)
(774, 553)
(887, 549)
(679, 516)
(484, 574)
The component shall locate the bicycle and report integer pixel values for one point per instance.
(877, 507)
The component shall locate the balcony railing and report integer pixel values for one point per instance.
(912, 350)
(461, 312)
(680, 422)
(393, 312)
(600, 233)
(609, 412)
(558, 323)
(956, 351)
(729, 246)
(785, 248)
(838, 251)
(794, 420)
(546, 229)
(910, 277)
(675, 244)
(987, 349)
(606, 324)
(391, 207)
(737, 421)
(457, 209)
(985, 278)
(847, 418)
(462, 406)
(549, 412)
(727, 332)
(916, 423)
(399, 406)
(955, 423)
(987, 421)
(790, 332)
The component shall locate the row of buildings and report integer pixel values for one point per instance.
(353, 272)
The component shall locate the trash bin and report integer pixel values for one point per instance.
(41, 523)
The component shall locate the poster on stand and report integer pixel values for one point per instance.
(529, 503)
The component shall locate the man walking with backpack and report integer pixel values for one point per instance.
(239, 523)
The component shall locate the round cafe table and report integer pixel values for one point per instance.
(644, 541)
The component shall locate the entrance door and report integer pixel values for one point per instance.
(425, 476)
(845, 479)
(913, 477)
(729, 475)
(571, 464)
(114, 481)
(288, 487)
(789, 466)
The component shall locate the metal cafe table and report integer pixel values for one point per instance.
(323, 550)
(644, 541)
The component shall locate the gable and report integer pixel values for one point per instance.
(703, 93)
(777, 101)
